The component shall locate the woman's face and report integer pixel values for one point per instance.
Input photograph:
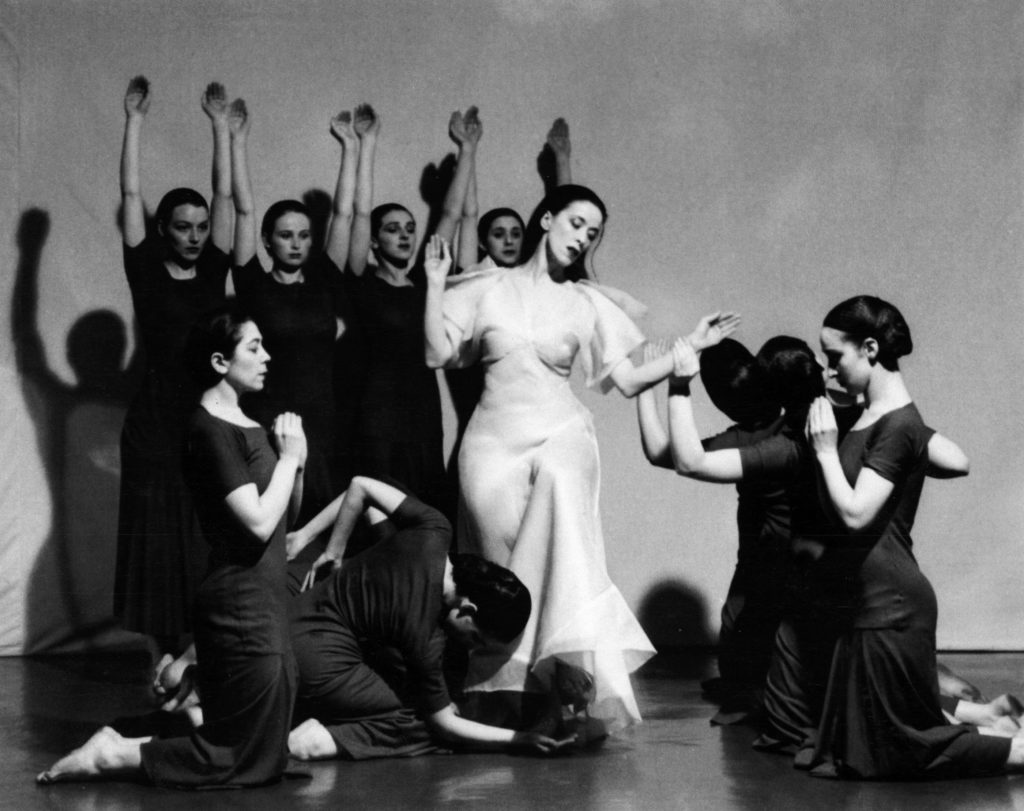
(571, 231)
(504, 241)
(396, 239)
(186, 232)
(247, 367)
(290, 241)
(849, 362)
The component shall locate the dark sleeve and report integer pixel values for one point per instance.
(339, 285)
(729, 438)
(217, 457)
(214, 264)
(246, 278)
(895, 446)
(778, 457)
(414, 514)
(137, 259)
(428, 674)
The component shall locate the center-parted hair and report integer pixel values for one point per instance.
(502, 601)
(218, 331)
(379, 212)
(277, 211)
(558, 200)
(863, 317)
(487, 220)
(182, 196)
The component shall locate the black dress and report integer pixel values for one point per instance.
(246, 673)
(882, 717)
(299, 327)
(398, 418)
(161, 556)
(347, 630)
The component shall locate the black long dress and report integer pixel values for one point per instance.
(246, 672)
(882, 717)
(398, 427)
(299, 327)
(161, 556)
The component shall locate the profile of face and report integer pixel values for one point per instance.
(290, 241)
(395, 240)
(571, 231)
(850, 362)
(460, 624)
(504, 241)
(246, 369)
(186, 232)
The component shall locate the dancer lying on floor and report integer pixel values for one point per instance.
(369, 638)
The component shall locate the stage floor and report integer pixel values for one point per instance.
(675, 759)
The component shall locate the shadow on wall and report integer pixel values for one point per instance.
(674, 615)
(68, 605)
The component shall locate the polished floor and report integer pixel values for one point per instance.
(673, 760)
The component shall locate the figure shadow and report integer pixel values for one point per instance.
(77, 434)
(674, 615)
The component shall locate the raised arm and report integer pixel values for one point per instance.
(366, 124)
(946, 460)
(436, 265)
(465, 130)
(469, 248)
(653, 436)
(260, 513)
(245, 207)
(215, 105)
(561, 148)
(855, 506)
(688, 454)
(136, 105)
(340, 231)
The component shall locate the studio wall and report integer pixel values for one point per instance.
(770, 157)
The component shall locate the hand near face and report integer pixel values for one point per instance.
(215, 102)
(438, 260)
(685, 363)
(341, 128)
(558, 138)
(821, 430)
(289, 436)
(238, 118)
(136, 97)
(711, 329)
(366, 121)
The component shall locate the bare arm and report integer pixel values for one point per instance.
(653, 437)
(245, 207)
(465, 131)
(448, 725)
(136, 105)
(260, 513)
(946, 460)
(439, 349)
(367, 125)
(561, 148)
(340, 231)
(469, 248)
(215, 105)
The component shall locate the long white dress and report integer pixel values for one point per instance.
(530, 476)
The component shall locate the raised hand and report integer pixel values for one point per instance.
(457, 128)
(341, 128)
(438, 260)
(215, 101)
(821, 428)
(366, 121)
(685, 363)
(238, 117)
(136, 97)
(289, 436)
(711, 329)
(558, 138)
(473, 125)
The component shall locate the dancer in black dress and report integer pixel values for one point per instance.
(404, 594)
(300, 305)
(243, 487)
(174, 276)
(882, 716)
(398, 422)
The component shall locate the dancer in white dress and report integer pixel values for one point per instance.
(529, 467)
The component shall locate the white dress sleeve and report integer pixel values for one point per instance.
(613, 337)
(461, 304)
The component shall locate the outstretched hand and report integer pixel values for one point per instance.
(711, 329)
(215, 102)
(342, 129)
(685, 362)
(136, 97)
(821, 429)
(366, 121)
(558, 138)
(314, 571)
(238, 117)
(438, 260)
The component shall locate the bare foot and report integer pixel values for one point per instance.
(310, 740)
(106, 753)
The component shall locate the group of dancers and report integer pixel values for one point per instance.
(327, 625)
